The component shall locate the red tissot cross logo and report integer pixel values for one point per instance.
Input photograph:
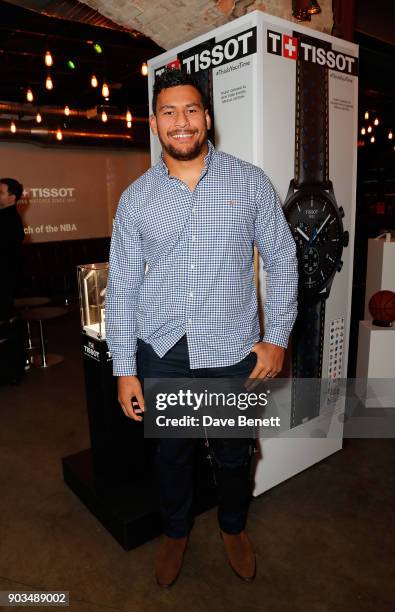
(175, 64)
(290, 47)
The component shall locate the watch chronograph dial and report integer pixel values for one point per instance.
(317, 228)
(310, 260)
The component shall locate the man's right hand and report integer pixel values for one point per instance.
(129, 388)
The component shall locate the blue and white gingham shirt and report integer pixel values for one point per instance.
(199, 279)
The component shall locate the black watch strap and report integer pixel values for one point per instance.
(308, 343)
(309, 340)
(311, 169)
(311, 134)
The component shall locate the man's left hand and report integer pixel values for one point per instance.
(270, 360)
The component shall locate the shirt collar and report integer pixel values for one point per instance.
(207, 158)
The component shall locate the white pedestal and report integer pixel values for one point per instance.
(284, 457)
(376, 351)
(376, 365)
(380, 270)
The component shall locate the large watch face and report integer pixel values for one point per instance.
(317, 228)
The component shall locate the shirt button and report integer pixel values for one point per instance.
(193, 237)
(192, 266)
(189, 320)
(194, 210)
(191, 294)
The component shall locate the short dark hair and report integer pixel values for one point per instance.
(173, 77)
(14, 187)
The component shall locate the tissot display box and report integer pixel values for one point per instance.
(284, 97)
(115, 477)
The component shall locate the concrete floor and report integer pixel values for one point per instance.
(324, 539)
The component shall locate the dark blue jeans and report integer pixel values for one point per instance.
(174, 458)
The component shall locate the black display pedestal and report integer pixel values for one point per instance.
(115, 479)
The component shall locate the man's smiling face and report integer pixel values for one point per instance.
(181, 122)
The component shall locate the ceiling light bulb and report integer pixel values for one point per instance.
(366, 115)
(59, 134)
(144, 69)
(94, 81)
(129, 116)
(13, 127)
(390, 135)
(98, 48)
(129, 124)
(38, 118)
(71, 64)
(314, 8)
(49, 83)
(105, 92)
(376, 121)
(369, 128)
(29, 95)
(372, 139)
(48, 59)
(66, 111)
(104, 116)
(363, 131)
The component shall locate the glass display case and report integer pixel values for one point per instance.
(92, 283)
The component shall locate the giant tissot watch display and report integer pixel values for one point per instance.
(316, 223)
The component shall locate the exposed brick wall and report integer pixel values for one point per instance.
(173, 22)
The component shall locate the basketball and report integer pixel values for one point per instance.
(382, 308)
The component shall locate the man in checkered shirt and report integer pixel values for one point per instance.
(181, 301)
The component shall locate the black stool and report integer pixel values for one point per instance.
(39, 315)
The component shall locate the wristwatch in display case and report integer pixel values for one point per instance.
(92, 284)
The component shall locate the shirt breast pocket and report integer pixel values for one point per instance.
(236, 217)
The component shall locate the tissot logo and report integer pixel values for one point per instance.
(211, 54)
(52, 192)
(90, 351)
(175, 64)
(309, 49)
(290, 47)
(170, 66)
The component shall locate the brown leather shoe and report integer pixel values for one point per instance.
(169, 560)
(240, 555)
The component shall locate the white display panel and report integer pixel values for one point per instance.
(248, 67)
(380, 269)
